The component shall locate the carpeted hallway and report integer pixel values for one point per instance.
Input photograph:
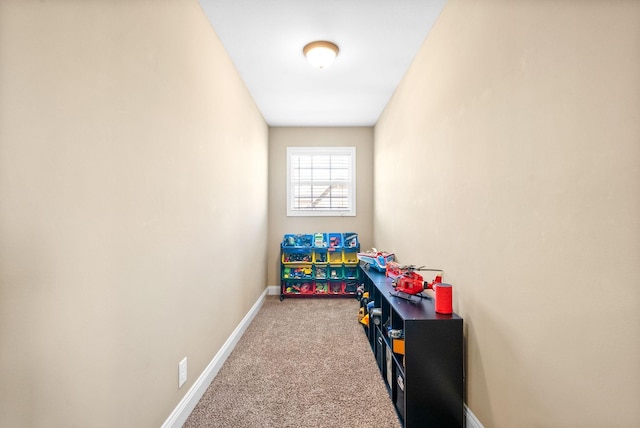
(301, 363)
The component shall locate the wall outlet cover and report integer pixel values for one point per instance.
(182, 372)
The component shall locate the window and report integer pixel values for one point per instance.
(321, 181)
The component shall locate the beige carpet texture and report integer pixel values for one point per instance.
(303, 362)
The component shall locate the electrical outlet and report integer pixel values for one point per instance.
(182, 372)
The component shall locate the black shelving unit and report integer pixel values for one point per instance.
(424, 369)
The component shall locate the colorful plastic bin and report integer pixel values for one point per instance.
(304, 271)
(298, 287)
(350, 240)
(297, 240)
(321, 287)
(320, 255)
(336, 287)
(296, 255)
(335, 240)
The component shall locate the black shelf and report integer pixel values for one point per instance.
(426, 382)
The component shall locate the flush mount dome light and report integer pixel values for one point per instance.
(321, 54)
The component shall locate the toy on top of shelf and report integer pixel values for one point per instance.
(410, 283)
(376, 259)
(394, 269)
(363, 298)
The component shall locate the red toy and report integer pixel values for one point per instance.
(394, 269)
(408, 282)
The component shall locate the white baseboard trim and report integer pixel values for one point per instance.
(179, 416)
(274, 290)
(472, 420)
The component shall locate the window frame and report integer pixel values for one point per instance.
(319, 212)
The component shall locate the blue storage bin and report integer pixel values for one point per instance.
(297, 240)
(320, 240)
(350, 240)
(335, 240)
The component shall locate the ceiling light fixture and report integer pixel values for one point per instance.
(321, 54)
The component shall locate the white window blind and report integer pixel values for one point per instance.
(321, 181)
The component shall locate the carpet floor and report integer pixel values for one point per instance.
(300, 363)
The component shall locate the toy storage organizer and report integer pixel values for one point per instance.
(319, 264)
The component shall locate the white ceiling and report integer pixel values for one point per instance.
(378, 39)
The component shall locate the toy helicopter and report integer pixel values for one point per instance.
(407, 282)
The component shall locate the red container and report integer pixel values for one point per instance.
(444, 295)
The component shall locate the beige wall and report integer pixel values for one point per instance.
(511, 148)
(279, 139)
(122, 250)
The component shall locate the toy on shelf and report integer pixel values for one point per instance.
(397, 340)
(394, 269)
(408, 282)
(376, 259)
(363, 298)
